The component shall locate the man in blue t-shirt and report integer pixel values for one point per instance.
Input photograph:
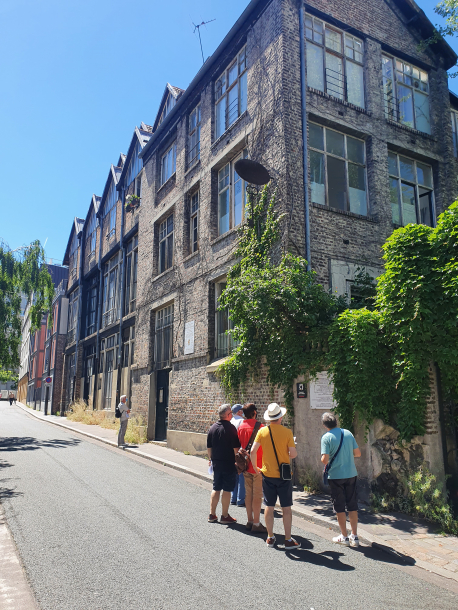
(342, 476)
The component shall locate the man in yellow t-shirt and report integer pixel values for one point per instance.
(273, 486)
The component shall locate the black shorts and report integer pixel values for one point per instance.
(343, 494)
(273, 488)
(224, 480)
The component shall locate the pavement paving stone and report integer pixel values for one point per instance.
(414, 539)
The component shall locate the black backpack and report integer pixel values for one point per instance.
(118, 412)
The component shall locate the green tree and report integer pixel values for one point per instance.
(448, 10)
(22, 271)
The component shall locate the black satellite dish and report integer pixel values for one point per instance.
(252, 171)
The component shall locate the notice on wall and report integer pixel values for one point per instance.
(189, 338)
(321, 393)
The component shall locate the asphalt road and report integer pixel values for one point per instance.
(99, 529)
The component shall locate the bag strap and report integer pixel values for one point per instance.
(275, 451)
(253, 436)
(335, 454)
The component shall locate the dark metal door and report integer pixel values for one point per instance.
(162, 404)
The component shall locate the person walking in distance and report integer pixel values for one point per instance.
(222, 445)
(124, 420)
(238, 493)
(338, 452)
(253, 481)
(11, 397)
(278, 449)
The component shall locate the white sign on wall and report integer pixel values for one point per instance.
(189, 338)
(321, 393)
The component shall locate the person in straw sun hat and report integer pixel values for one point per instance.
(278, 449)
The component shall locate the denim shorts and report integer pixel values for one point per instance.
(273, 488)
(223, 480)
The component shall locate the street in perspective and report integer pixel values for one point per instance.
(229, 305)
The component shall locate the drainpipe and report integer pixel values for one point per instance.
(99, 315)
(122, 277)
(304, 137)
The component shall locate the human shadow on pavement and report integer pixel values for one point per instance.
(27, 443)
(326, 559)
(386, 554)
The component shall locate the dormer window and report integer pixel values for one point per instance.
(92, 235)
(110, 210)
(231, 93)
(133, 171)
(73, 261)
(169, 104)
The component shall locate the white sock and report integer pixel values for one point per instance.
(256, 524)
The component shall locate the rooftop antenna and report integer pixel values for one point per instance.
(197, 27)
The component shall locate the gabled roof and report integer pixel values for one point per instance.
(141, 135)
(169, 90)
(77, 227)
(114, 174)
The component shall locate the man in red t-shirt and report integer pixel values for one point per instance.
(253, 481)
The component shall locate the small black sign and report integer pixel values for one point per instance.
(301, 390)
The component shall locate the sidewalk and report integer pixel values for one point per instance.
(416, 543)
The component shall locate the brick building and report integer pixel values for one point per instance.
(357, 129)
(102, 254)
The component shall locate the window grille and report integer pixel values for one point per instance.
(163, 337)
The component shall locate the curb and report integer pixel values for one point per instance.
(371, 540)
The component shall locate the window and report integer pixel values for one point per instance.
(163, 337)
(110, 291)
(455, 132)
(71, 378)
(231, 93)
(168, 163)
(411, 191)
(231, 197)
(73, 260)
(130, 293)
(194, 136)
(108, 360)
(128, 343)
(224, 342)
(53, 353)
(55, 317)
(135, 165)
(91, 309)
(72, 316)
(406, 93)
(110, 211)
(169, 104)
(337, 170)
(166, 244)
(194, 223)
(92, 235)
(334, 61)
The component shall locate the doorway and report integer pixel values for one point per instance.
(162, 404)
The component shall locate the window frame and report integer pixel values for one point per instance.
(194, 213)
(91, 308)
(110, 210)
(338, 90)
(111, 278)
(392, 97)
(347, 161)
(165, 159)
(223, 92)
(230, 187)
(416, 185)
(194, 136)
(166, 231)
(222, 319)
(92, 235)
(164, 319)
(131, 275)
(454, 121)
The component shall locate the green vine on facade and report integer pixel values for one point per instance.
(22, 272)
(377, 356)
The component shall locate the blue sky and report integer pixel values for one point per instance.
(77, 76)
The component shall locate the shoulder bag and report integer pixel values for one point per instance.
(242, 456)
(285, 467)
(327, 468)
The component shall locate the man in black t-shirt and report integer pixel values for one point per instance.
(222, 445)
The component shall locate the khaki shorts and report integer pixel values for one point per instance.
(253, 485)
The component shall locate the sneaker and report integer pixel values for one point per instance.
(228, 520)
(341, 540)
(259, 529)
(233, 503)
(249, 525)
(354, 540)
(212, 518)
(271, 542)
(292, 544)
